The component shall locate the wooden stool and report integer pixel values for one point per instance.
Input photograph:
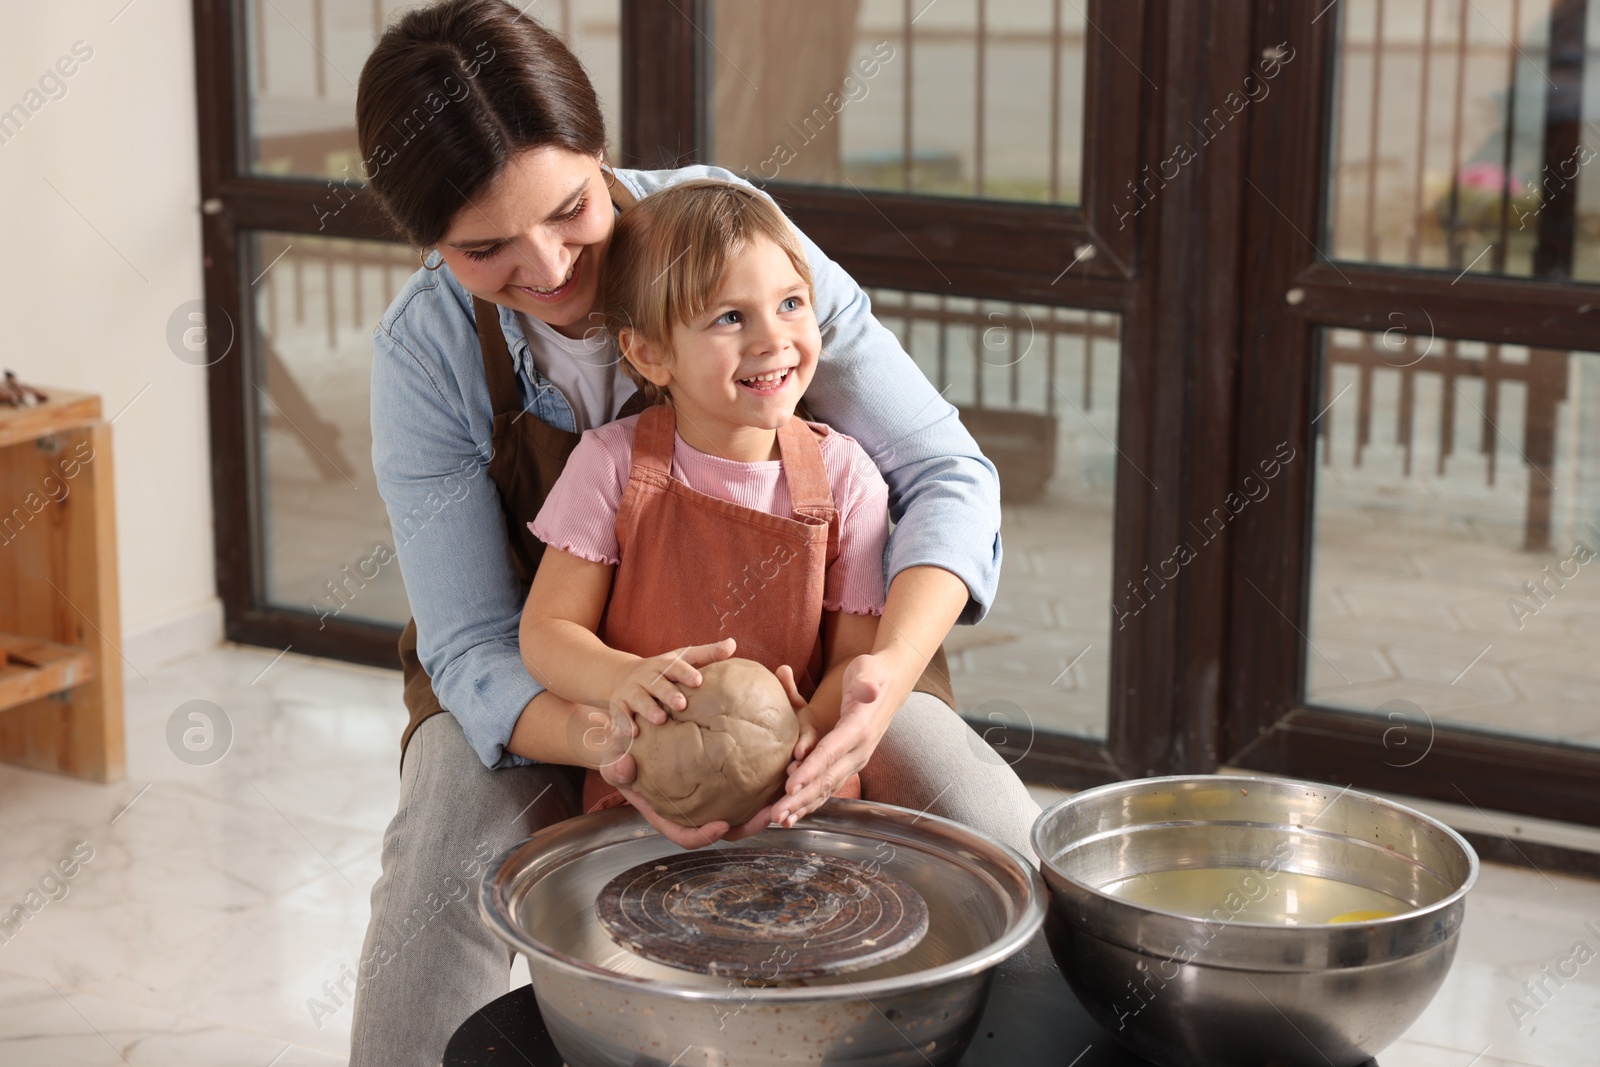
(60, 621)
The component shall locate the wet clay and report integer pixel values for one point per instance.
(726, 754)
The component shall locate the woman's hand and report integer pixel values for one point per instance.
(649, 687)
(864, 714)
(923, 602)
(599, 737)
(620, 774)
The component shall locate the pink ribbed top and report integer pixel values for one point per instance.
(580, 513)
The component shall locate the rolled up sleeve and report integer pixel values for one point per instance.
(451, 540)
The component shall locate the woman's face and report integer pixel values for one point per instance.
(535, 241)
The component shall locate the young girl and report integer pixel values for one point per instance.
(717, 515)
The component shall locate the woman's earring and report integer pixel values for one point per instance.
(431, 266)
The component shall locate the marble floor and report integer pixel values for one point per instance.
(207, 905)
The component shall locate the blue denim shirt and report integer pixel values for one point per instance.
(431, 431)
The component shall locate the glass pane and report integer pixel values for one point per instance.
(328, 547)
(1037, 387)
(952, 98)
(1457, 520)
(303, 57)
(1462, 136)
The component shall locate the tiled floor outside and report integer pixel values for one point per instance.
(1418, 579)
(1412, 576)
(1415, 576)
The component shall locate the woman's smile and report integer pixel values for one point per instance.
(560, 292)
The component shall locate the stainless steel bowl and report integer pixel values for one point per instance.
(607, 1007)
(1187, 980)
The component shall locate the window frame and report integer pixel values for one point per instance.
(1290, 292)
(1211, 346)
(663, 123)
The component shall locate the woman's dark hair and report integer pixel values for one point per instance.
(451, 93)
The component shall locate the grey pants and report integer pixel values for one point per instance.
(429, 961)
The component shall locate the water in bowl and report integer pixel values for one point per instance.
(1247, 895)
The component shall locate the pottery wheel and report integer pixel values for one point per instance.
(765, 914)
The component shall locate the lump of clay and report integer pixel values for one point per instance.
(725, 755)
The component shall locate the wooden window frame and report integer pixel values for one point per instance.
(1011, 251)
(1018, 252)
(1208, 673)
(1269, 726)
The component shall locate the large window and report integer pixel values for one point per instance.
(882, 116)
(1273, 318)
(1451, 546)
(1416, 595)
(959, 98)
(1037, 387)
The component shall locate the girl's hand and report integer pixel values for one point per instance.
(621, 774)
(809, 733)
(864, 717)
(650, 686)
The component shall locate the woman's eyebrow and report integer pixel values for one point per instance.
(571, 200)
(561, 209)
(482, 242)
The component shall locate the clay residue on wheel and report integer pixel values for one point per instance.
(724, 756)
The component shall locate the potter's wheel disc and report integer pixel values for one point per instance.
(764, 914)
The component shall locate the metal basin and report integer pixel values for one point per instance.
(607, 1007)
(1191, 916)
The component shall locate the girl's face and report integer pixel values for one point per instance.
(744, 362)
(536, 240)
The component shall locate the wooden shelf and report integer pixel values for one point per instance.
(65, 410)
(61, 700)
(31, 668)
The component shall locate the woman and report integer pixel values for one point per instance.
(484, 142)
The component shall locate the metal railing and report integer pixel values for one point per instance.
(1489, 213)
(1001, 340)
(1511, 162)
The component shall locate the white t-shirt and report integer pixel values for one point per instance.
(587, 371)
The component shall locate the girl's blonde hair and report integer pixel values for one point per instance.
(670, 251)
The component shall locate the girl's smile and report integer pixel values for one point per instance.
(770, 383)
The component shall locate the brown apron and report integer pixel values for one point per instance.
(526, 458)
(695, 568)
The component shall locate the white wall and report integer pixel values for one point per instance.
(91, 270)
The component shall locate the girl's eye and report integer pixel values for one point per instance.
(727, 318)
(583, 202)
(790, 304)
